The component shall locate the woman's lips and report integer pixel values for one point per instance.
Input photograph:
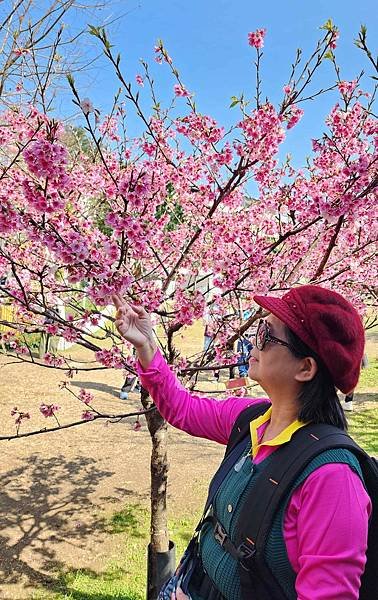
(253, 360)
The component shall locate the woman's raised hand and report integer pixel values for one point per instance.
(134, 324)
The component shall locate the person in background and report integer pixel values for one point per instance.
(244, 347)
(131, 384)
(48, 342)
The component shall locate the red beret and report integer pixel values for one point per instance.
(328, 324)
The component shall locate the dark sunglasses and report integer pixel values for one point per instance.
(263, 336)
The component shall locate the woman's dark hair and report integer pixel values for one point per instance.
(318, 398)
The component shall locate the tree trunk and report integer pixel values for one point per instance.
(161, 551)
(159, 476)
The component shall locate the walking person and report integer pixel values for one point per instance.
(311, 343)
(244, 347)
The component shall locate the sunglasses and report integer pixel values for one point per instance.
(263, 336)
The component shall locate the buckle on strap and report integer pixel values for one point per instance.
(247, 552)
(220, 533)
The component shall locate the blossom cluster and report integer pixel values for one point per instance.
(171, 220)
(49, 410)
(110, 358)
(180, 90)
(47, 160)
(85, 396)
(256, 38)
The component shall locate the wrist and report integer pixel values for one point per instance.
(148, 346)
(146, 353)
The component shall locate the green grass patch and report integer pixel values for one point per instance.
(369, 377)
(130, 520)
(363, 427)
(124, 577)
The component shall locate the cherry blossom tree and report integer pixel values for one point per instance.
(168, 220)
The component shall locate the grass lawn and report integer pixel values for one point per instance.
(363, 427)
(124, 578)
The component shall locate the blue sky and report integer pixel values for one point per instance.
(208, 42)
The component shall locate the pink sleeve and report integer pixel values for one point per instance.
(325, 530)
(203, 417)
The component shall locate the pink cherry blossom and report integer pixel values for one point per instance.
(347, 87)
(256, 38)
(296, 114)
(139, 80)
(334, 38)
(20, 415)
(86, 106)
(85, 396)
(55, 361)
(87, 415)
(180, 90)
(21, 51)
(48, 410)
(45, 159)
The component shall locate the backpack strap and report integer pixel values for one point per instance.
(276, 480)
(237, 442)
(242, 423)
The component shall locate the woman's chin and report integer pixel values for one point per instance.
(252, 374)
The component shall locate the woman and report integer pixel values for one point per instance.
(311, 343)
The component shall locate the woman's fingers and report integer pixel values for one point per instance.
(124, 307)
(139, 310)
(117, 300)
(121, 325)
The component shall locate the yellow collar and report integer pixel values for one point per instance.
(281, 438)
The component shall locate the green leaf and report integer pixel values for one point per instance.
(235, 100)
(328, 25)
(94, 30)
(363, 30)
(329, 55)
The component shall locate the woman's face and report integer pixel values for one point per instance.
(275, 367)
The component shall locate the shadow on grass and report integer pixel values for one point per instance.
(45, 502)
(85, 583)
(64, 586)
(131, 520)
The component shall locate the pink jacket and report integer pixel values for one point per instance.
(326, 521)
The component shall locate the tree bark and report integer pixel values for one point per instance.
(157, 427)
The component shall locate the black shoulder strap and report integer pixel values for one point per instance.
(241, 425)
(287, 463)
(236, 443)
